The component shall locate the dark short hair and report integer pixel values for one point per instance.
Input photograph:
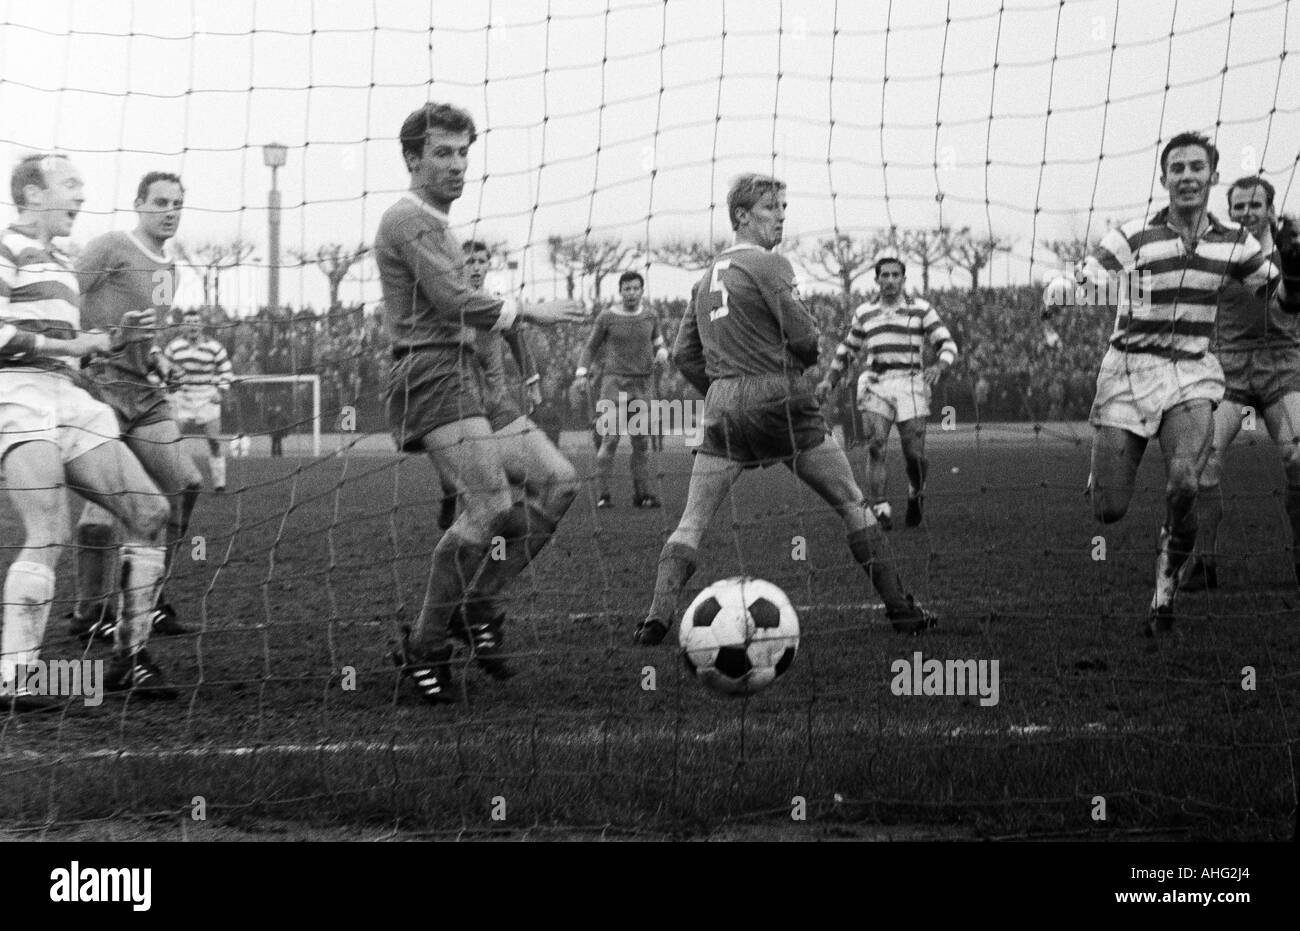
(475, 245)
(891, 260)
(1185, 139)
(1252, 181)
(29, 170)
(142, 192)
(188, 311)
(440, 115)
(630, 276)
(747, 190)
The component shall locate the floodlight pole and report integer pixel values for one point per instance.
(274, 156)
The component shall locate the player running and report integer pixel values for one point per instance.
(437, 405)
(128, 280)
(202, 374)
(632, 347)
(745, 343)
(1258, 346)
(1158, 378)
(54, 437)
(895, 384)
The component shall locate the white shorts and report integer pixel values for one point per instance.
(1136, 390)
(37, 405)
(197, 407)
(896, 396)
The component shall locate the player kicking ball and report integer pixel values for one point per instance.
(436, 405)
(895, 386)
(1158, 378)
(128, 282)
(745, 343)
(55, 437)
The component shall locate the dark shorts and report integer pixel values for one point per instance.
(630, 388)
(502, 408)
(428, 389)
(760, 420)
(1260, 377)
(136, 402)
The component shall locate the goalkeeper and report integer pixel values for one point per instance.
(1259, 349)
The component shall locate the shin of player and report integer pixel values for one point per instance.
(745, 342)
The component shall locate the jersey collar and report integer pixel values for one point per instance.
(164, 256)
(425, 206)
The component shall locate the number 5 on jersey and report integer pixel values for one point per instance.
(717, 285)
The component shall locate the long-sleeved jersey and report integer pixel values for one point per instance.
(745, 318)
(892, 338)
(1251, 320)
(421, 270)
(118, 273)
(204, 365)
(628, 343)
(38, 296)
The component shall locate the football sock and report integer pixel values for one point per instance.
(94, 549)
(143, 568)
(916, 469)
(218, 464)
(868, 547)
(1209, 504)
(1177, 539)
(28, 592)
(178, 521)
(677, 564)
(1293, 512)
(640, 465)
(526, 530)
(454, 563)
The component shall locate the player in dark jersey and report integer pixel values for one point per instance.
(128, 282)
(503, 407)
(1258, 346)
(629, 341)
(436, 405)
(745, 343)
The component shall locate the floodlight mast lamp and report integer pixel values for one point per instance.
(273, 156)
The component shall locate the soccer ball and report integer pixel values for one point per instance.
(739, 635)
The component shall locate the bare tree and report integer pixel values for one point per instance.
(591, 257)
(334, 260)
(925, 249)
(842, 260)
(691, 255)
(973, 253)
(210, 259)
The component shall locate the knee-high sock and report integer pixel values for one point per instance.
(94, 556)
(1177, 540)
(218, 464)
(870, 551)
(604, 466)
(916, 469)
(28, 592)
(178, 521)
(526, 530)
(143, 569)
(640, 465)
(677, 564)
(453, 566)
(1209, 504)
(1293, 512)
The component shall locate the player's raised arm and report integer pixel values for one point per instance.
(1112, 256)
(797, 324)
(846, 351)
(945, 346)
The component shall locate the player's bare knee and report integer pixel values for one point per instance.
(1183, 481)
(876, 447)
(1291, 461)
(147, 516)
(1108, 508)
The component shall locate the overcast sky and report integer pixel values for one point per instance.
(629, 117)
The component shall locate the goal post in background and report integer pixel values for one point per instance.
(991, 142)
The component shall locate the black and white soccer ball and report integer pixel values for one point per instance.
(739, 635)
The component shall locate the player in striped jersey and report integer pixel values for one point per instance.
(128, 280)
(1258, 345)
(745, 342)
(895, 384)
(1158, 378)
(200, 368)
(54, 436)
(629, 341)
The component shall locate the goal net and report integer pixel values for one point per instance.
(992, 144)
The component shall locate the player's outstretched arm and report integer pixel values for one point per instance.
(688, 351)
(18, 344)
(549, 313)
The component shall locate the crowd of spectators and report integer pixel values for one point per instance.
(1007, 369)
